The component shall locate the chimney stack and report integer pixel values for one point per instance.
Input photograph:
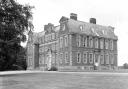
(93, 20)
(73, 16)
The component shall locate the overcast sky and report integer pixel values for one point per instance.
(107, 12)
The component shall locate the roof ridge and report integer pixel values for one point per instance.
(91, 23)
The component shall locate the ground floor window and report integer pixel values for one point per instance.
(102, 59)
(107, 58)
(90, 57)
(111, 58)
(78, 57)
(85, 57)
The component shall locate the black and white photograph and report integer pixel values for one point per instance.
(63, 44)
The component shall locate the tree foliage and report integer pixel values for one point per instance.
(15, 20)
(125, 65)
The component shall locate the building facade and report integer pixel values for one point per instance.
(73, 44)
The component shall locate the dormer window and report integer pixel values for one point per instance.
(81, 28)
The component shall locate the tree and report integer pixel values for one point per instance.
(15, 20)
(125, 65)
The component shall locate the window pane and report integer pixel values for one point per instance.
(96, 43)
(85, 41)
(78, 57)
(101, 44)
(85, 58)
(91, 58)
(107, 59)
(78, 39)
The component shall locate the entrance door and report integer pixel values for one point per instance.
(96, 59)
(49, 60)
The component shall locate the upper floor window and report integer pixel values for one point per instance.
(102, 59)
(85, 41)
(106, 44)
(96, 43)
(78, 57)
(66, 40)
(101, 43)
(111, 44)
(61, 42)
(85, 57)
(91, 42)
(90, 57)
(78, 39)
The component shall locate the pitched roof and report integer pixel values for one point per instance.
(91, 29)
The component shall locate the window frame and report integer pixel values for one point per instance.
(61, 58)
(66, 40)
(107, 58)
(79, 57)
(90, 58)
(111, 45)
(78, 39)
(84, 41)
(61, 42)
(111, 58)
(96, 43)
(84, 57)
(91, 42)
(102, 60)
(106, 43)
(101, 44)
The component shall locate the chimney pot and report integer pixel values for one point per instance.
(93, 20)
(73, 16)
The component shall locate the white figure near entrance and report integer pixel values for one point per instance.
(49, 59)
(97, 61)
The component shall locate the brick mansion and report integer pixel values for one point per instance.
(73, 44)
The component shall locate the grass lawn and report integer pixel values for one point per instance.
(86, 80)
